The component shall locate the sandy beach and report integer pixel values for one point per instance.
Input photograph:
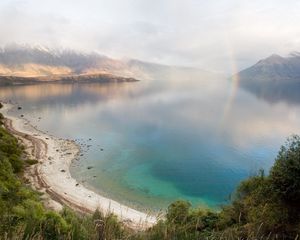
(52, 176)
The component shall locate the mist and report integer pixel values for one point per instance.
(223, 36)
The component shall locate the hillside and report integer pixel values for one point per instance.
(39, 63)
(29, 65)
(275, 78)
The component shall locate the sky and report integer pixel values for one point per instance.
(220, 36)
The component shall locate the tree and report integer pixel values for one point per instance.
(285, 174)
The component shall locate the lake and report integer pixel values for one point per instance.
(148, 143)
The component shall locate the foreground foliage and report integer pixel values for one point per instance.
(22, 215)
(263, 207)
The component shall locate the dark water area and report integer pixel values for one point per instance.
(149, 143)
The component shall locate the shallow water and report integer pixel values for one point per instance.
(153, 142)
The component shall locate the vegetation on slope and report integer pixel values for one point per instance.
(264, 207)
(22, 215)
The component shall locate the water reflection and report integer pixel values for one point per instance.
(275, 92)
(163, 140)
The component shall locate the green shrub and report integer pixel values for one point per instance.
(1, 119)
(285, 174)
(178, 212)
(31, 161)
(54, 226)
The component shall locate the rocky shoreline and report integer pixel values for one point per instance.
(52, 176)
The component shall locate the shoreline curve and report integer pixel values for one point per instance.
(52, 174)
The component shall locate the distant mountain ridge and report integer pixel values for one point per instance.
(274, 68)
(19, 55)
(25, 61)
(274, 78)
(40, 62)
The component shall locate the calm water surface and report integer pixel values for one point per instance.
(192, 139)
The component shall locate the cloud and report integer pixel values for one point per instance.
(211, 35)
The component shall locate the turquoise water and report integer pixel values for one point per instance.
(152, 142)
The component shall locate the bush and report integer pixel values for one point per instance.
(54, 226)
(178, 212)
(31, 161)
(1, 119)
(285, 174)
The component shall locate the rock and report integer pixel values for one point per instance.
(89, 167)
(63, 170)
(19, 108)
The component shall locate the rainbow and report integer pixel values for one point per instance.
(234, 79)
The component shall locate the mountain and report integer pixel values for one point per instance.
(274, 79)
(19, 63)
(34, 64)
